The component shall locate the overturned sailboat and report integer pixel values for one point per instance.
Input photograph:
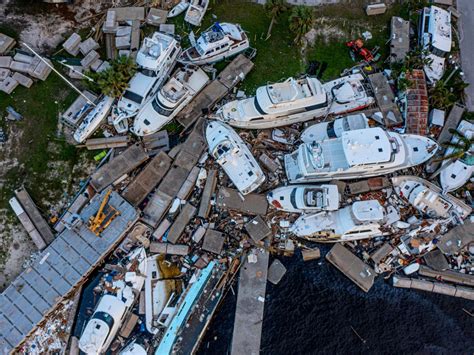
(233, 155)
(428, 198)
(361, 220)
(297, 100)
(219, 42)
(356, 154)
(183, 85)
(305, 198)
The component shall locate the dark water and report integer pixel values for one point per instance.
(314, 306)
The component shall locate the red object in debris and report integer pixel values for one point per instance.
(357, 47)
(276, 204)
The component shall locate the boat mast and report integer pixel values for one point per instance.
(60, 75)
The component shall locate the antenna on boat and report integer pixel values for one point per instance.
(60, 75)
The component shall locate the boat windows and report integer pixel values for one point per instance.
(105, 317)
(133, 97)
(330, 130)
(437, 52)
(146, 122)
(159, 109)
(293, 198)
(250, 172)
(316, 107)
(257, 106)
(149, 72)
(256, 119)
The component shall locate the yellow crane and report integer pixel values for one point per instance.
(104, 216)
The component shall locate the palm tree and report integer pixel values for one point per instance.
(274, 9)
(461, 148)
(114, 80)
(301, 21)
(441, 97)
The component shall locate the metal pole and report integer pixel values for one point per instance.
(70, 67)
(60, 75)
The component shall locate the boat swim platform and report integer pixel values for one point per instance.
(120, 165)
(248, 322)
(58, 270)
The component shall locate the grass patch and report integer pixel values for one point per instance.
(35, 139)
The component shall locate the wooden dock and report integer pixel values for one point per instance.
(250, 304)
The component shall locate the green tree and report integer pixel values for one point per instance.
(461, 148)
(441, 97)
(274, 9)
(301, 21)
(114, 80)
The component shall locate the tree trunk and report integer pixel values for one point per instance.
(269, 32)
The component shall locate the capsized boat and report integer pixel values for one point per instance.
(297, 100)
(428, 198)
(334, 129)
(357, 154)
(455, 174)
(156, 295)
(305, 198)
(218, 42)
(183, 85)
(233, 155)
(178, 9)
(361, 220)
(196, 11)
(93, 119)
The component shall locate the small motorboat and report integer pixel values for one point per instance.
(178, 9)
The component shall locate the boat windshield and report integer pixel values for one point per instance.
(437, 52)
(222, 149)
(133, 97)
(105, 317)
(159, 109)
(468, 159)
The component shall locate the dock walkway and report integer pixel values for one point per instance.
(250, 303)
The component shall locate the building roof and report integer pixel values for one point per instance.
(416, 115)
(400, 39)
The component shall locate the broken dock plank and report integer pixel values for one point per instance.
(255, 204)
(209, 188)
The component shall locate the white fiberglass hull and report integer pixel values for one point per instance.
(186, 60)
(458, 207)
(178, 9)
(455, 175)
(93, 119)
(155, 294)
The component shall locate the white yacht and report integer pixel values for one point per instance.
(156, 58)
(428, 198)
(361, 220)
(218, 42)
(196, 11)
(233, 155)
(455, 174)
(93, 119)
(183, 85)
(141, 89)
(357, 154)
(435, 37)
(305, 198)
(134, 348)
(297, 100)
(178, 9)
(334, 129)
(103, 325)
(112, 308)
(158, 55)
(156, 295)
